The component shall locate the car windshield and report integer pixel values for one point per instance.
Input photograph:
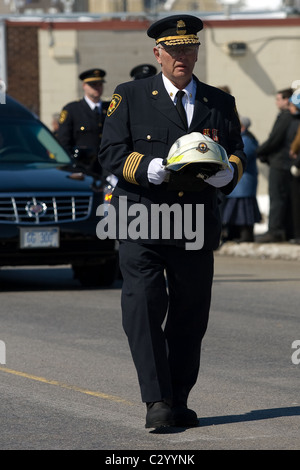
(29, 142)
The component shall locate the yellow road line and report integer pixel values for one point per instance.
(67, 386)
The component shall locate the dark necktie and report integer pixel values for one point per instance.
(96, 110)
(180, 107)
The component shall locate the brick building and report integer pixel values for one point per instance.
(23, 80)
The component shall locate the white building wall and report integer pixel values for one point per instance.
(58, 71)
(270, 64)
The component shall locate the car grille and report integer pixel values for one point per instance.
(58, 208)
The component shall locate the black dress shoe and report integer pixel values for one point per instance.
(184, 417)
(159, 414)
(269, 237)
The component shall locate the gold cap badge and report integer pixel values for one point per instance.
(181, 29)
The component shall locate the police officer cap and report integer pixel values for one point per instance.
(176, 30)
(143, 71)
(93, 75)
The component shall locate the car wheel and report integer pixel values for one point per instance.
(102, 275)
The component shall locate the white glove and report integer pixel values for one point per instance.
(156, 171)
(221, 178)
(112, 179)
(295, 171)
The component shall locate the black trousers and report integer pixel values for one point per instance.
(166, 298)
(280, 215)
(296, 206)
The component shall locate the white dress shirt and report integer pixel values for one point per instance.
(93, 105)
(188, 100)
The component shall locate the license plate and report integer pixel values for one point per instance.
(39, 238)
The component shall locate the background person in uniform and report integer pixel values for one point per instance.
(81, 122)
(274, 152)
(141, 126)
(241, 209)
(143, 71)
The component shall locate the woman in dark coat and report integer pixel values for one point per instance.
(241, 209)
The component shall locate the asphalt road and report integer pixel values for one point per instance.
(69, 383)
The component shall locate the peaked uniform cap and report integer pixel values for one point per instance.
(176, 30)
(143, 71)
(93, 75)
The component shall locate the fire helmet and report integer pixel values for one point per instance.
(202, 155)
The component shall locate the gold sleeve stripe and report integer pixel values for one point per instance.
(237, 161)
(131, 165)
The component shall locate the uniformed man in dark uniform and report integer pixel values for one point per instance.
(81, 122)
(274, 151)
(142, 124)
(143, 71)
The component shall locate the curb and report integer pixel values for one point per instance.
(283, 251)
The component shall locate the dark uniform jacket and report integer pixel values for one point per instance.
(80, 129)
(274, 150)
(142, 124)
